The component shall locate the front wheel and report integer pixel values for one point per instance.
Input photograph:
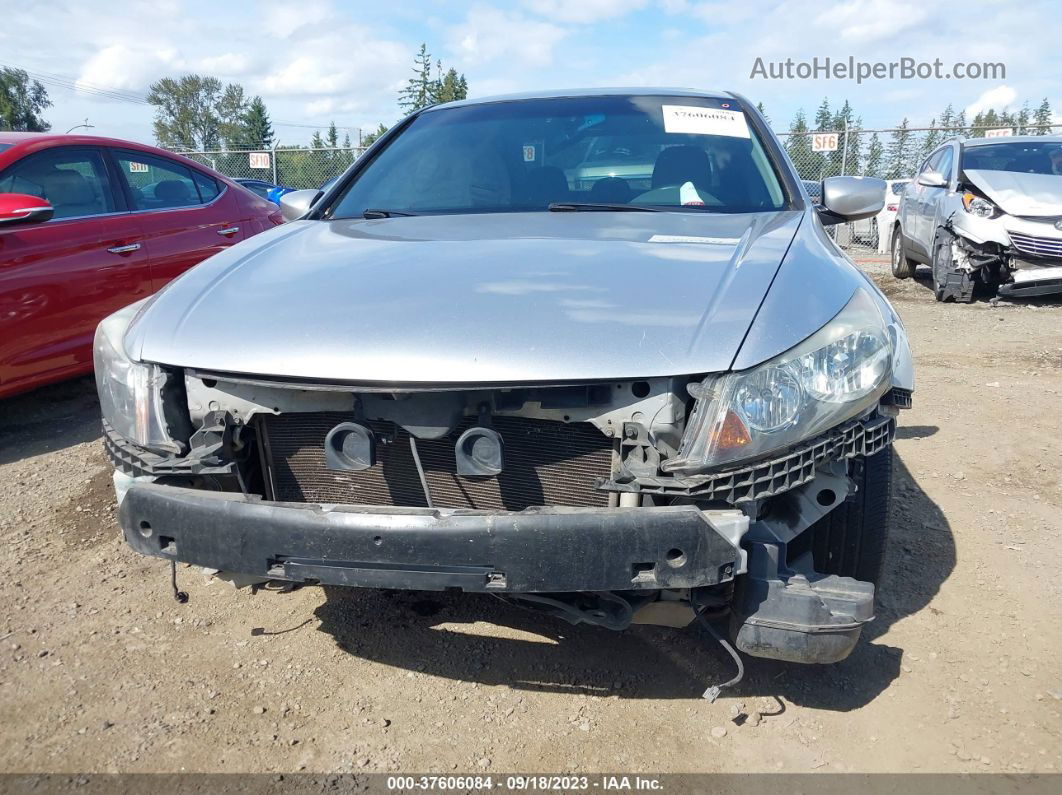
(903, 267)
(850, 540)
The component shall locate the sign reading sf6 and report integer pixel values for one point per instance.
(824, 142)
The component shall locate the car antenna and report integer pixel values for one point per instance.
(180, 596)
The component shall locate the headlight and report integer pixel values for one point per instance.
(130, 392)
(834, 375)
(975, 205)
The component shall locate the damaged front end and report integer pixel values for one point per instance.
(1016, 256)
(610, 503)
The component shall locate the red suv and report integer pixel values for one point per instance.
(89, 225)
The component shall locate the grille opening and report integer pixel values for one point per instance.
(546, 463)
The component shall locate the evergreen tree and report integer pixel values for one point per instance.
(875, 153)
(898, 153)
(1042, 118)
(316, 141)
(763, 112)
(258, 127)
(332, 137)
(369, 139)
(420, 89)
(451, 86)
(798, 146)
(1022, 121)
(930, 141)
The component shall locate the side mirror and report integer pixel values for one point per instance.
(933, 179)
(20, 208)
(851, 198)
(296, 204)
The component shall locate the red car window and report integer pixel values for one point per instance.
(156, 183)
(73, 180)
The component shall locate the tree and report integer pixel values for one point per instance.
(316, 141)
(930, 141)
(420, 90)
(798, 145)
(451, 86)
(232, 111)
(1023, 119)
(332, 136)
(763, 112)
(1042, 118)
(258, 127)
(823, 123)
(875, 153)
(898, 153)
(188, 112)
(22, 101)
(369, 139)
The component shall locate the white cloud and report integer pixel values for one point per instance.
(583, 12)
(229, 64)
(283, 19)
(488, 34)
(127, 67)
(996, 98)
(864, 21)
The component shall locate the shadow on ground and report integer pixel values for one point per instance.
(48, 419)
(479, 638)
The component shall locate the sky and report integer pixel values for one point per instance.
(314, 61)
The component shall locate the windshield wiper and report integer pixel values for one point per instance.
(374, 213)
(588, 207)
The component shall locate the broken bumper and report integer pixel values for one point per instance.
(1033, 281)
(537, 550)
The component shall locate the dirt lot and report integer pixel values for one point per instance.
(100, 670)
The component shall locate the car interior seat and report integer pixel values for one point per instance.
(70, 193)
(173, 193)
(544, 185)
(679, 164)
(610, 190)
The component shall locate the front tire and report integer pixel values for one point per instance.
(850, 540)
(903, 267)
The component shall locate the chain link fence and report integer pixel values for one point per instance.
(293, 167)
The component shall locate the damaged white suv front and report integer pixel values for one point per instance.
(462, 368)
(985, 211)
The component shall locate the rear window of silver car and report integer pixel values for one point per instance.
(695, 154)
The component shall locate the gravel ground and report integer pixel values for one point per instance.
(100, 670)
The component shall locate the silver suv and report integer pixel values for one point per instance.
(985, 211)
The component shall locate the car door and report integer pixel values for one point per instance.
(935, 198)
(921, 210)
(186, 215)
(59, 278)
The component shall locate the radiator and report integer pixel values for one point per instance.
(546, 463)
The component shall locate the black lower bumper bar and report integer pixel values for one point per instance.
(537, 550)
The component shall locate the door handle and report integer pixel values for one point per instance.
(228, 231)
(125, 249)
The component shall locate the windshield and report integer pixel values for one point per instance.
(1021, 157)
(680, 153)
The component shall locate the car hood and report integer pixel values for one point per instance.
(1020, 194)
(495, 298)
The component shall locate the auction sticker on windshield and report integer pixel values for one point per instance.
(704, 121)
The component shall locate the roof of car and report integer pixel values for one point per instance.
(590, 92)
(1015, 139)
